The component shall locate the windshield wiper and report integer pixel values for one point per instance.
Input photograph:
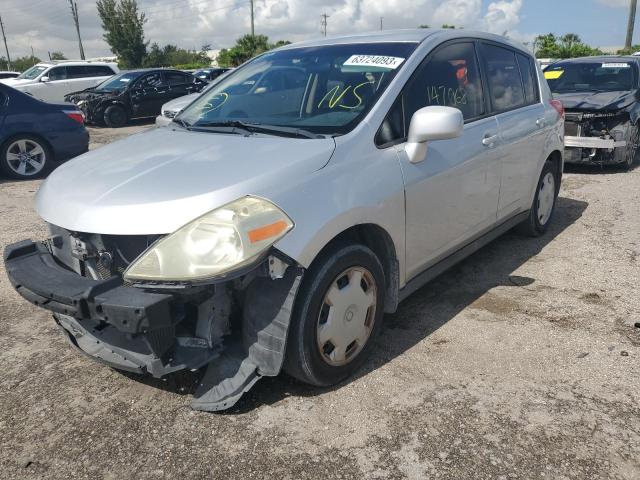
(260, 128)
(182, 123)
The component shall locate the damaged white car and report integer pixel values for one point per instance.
(601, 100)
(292, 205)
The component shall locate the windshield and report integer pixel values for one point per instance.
(118, 82)
(611, 76)
(324, 90)
(32, 73)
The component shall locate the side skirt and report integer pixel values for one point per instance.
(445, 264)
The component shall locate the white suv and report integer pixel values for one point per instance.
(51, 81)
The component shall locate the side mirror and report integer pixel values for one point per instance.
(44, 79)
(432, 123)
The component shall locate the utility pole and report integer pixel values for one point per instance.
(381, 22)
(5, 45)
(323, 23)
(631, 24)
(74, 13)
(253, 29)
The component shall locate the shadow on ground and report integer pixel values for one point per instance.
(443, 298)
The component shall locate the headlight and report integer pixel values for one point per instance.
(218, 242)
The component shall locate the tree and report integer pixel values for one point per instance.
(246, 47)
(567, 46)
(124, 30)
(629, 51)
(173, 56)
(19, 64)
(57, 56)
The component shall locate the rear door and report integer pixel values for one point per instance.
(148, 94)
(180, 84)
(515, 99)
(452, 195)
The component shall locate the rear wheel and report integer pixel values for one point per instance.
(115, 116)
(337, 315)
(544, 203)
(24, 157)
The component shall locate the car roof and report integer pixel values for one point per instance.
(416, 35)
(50, 63)
(601, 58)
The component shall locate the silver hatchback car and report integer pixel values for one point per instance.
(292, 205)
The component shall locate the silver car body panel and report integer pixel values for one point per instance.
(157, 181)
(174, 107)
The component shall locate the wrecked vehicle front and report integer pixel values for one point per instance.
(600, 96)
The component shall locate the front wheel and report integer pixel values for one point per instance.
(338, 313)
(115, 116)
(544, 203)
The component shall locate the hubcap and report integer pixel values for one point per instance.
(546, 198)
(26, 157)
(347, 316)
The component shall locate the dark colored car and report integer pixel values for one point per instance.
(133, 94)
(36, 136)
(601, 99)
(210, 74)
(5, 74)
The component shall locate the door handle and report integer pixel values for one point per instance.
(540, 122)
(489, 140)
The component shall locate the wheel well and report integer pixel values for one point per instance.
(379, 241)
(46, 143)
(556, 159)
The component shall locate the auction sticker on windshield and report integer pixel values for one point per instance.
(616, 65)
(374, 61)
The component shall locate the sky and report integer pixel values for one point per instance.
(46, 25)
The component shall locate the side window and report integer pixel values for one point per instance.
(153, 80)
(77, 72)
(98, 71)
(450, 77)
(176, 78)
(503, 75)
(393, 128)
(57, 73)
(528, 72)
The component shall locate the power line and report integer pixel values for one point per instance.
(5, 44)
(323, 23)
(74, 13)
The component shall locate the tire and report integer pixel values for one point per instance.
(544, 203)
(115, 116)
(626, 157)
(24, 157)
(311, 355)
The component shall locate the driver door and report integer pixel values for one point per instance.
(452, 195)
(148, 94)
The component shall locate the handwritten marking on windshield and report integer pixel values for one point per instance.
(334, 97)
(210, 106)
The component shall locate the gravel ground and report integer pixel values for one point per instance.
(522, 362)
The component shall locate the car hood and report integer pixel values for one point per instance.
(14, 82)
(177, 104)
(597, 100)
(157, 181)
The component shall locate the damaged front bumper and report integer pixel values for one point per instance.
(144, 330)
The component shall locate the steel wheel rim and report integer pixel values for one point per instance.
(546, 198)
(26, 157)
(347, 316)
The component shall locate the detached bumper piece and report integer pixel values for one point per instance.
(124, 327)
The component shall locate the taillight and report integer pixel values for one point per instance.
(76, 115)
(557, 104)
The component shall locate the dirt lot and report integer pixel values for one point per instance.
(522, 362)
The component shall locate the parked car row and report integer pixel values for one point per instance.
(292, 204)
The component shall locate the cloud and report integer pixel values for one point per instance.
(46, 25)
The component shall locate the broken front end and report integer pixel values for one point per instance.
(235, 326)
(600, 137)
(92, 104)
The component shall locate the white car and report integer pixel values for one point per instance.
(51, 81)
